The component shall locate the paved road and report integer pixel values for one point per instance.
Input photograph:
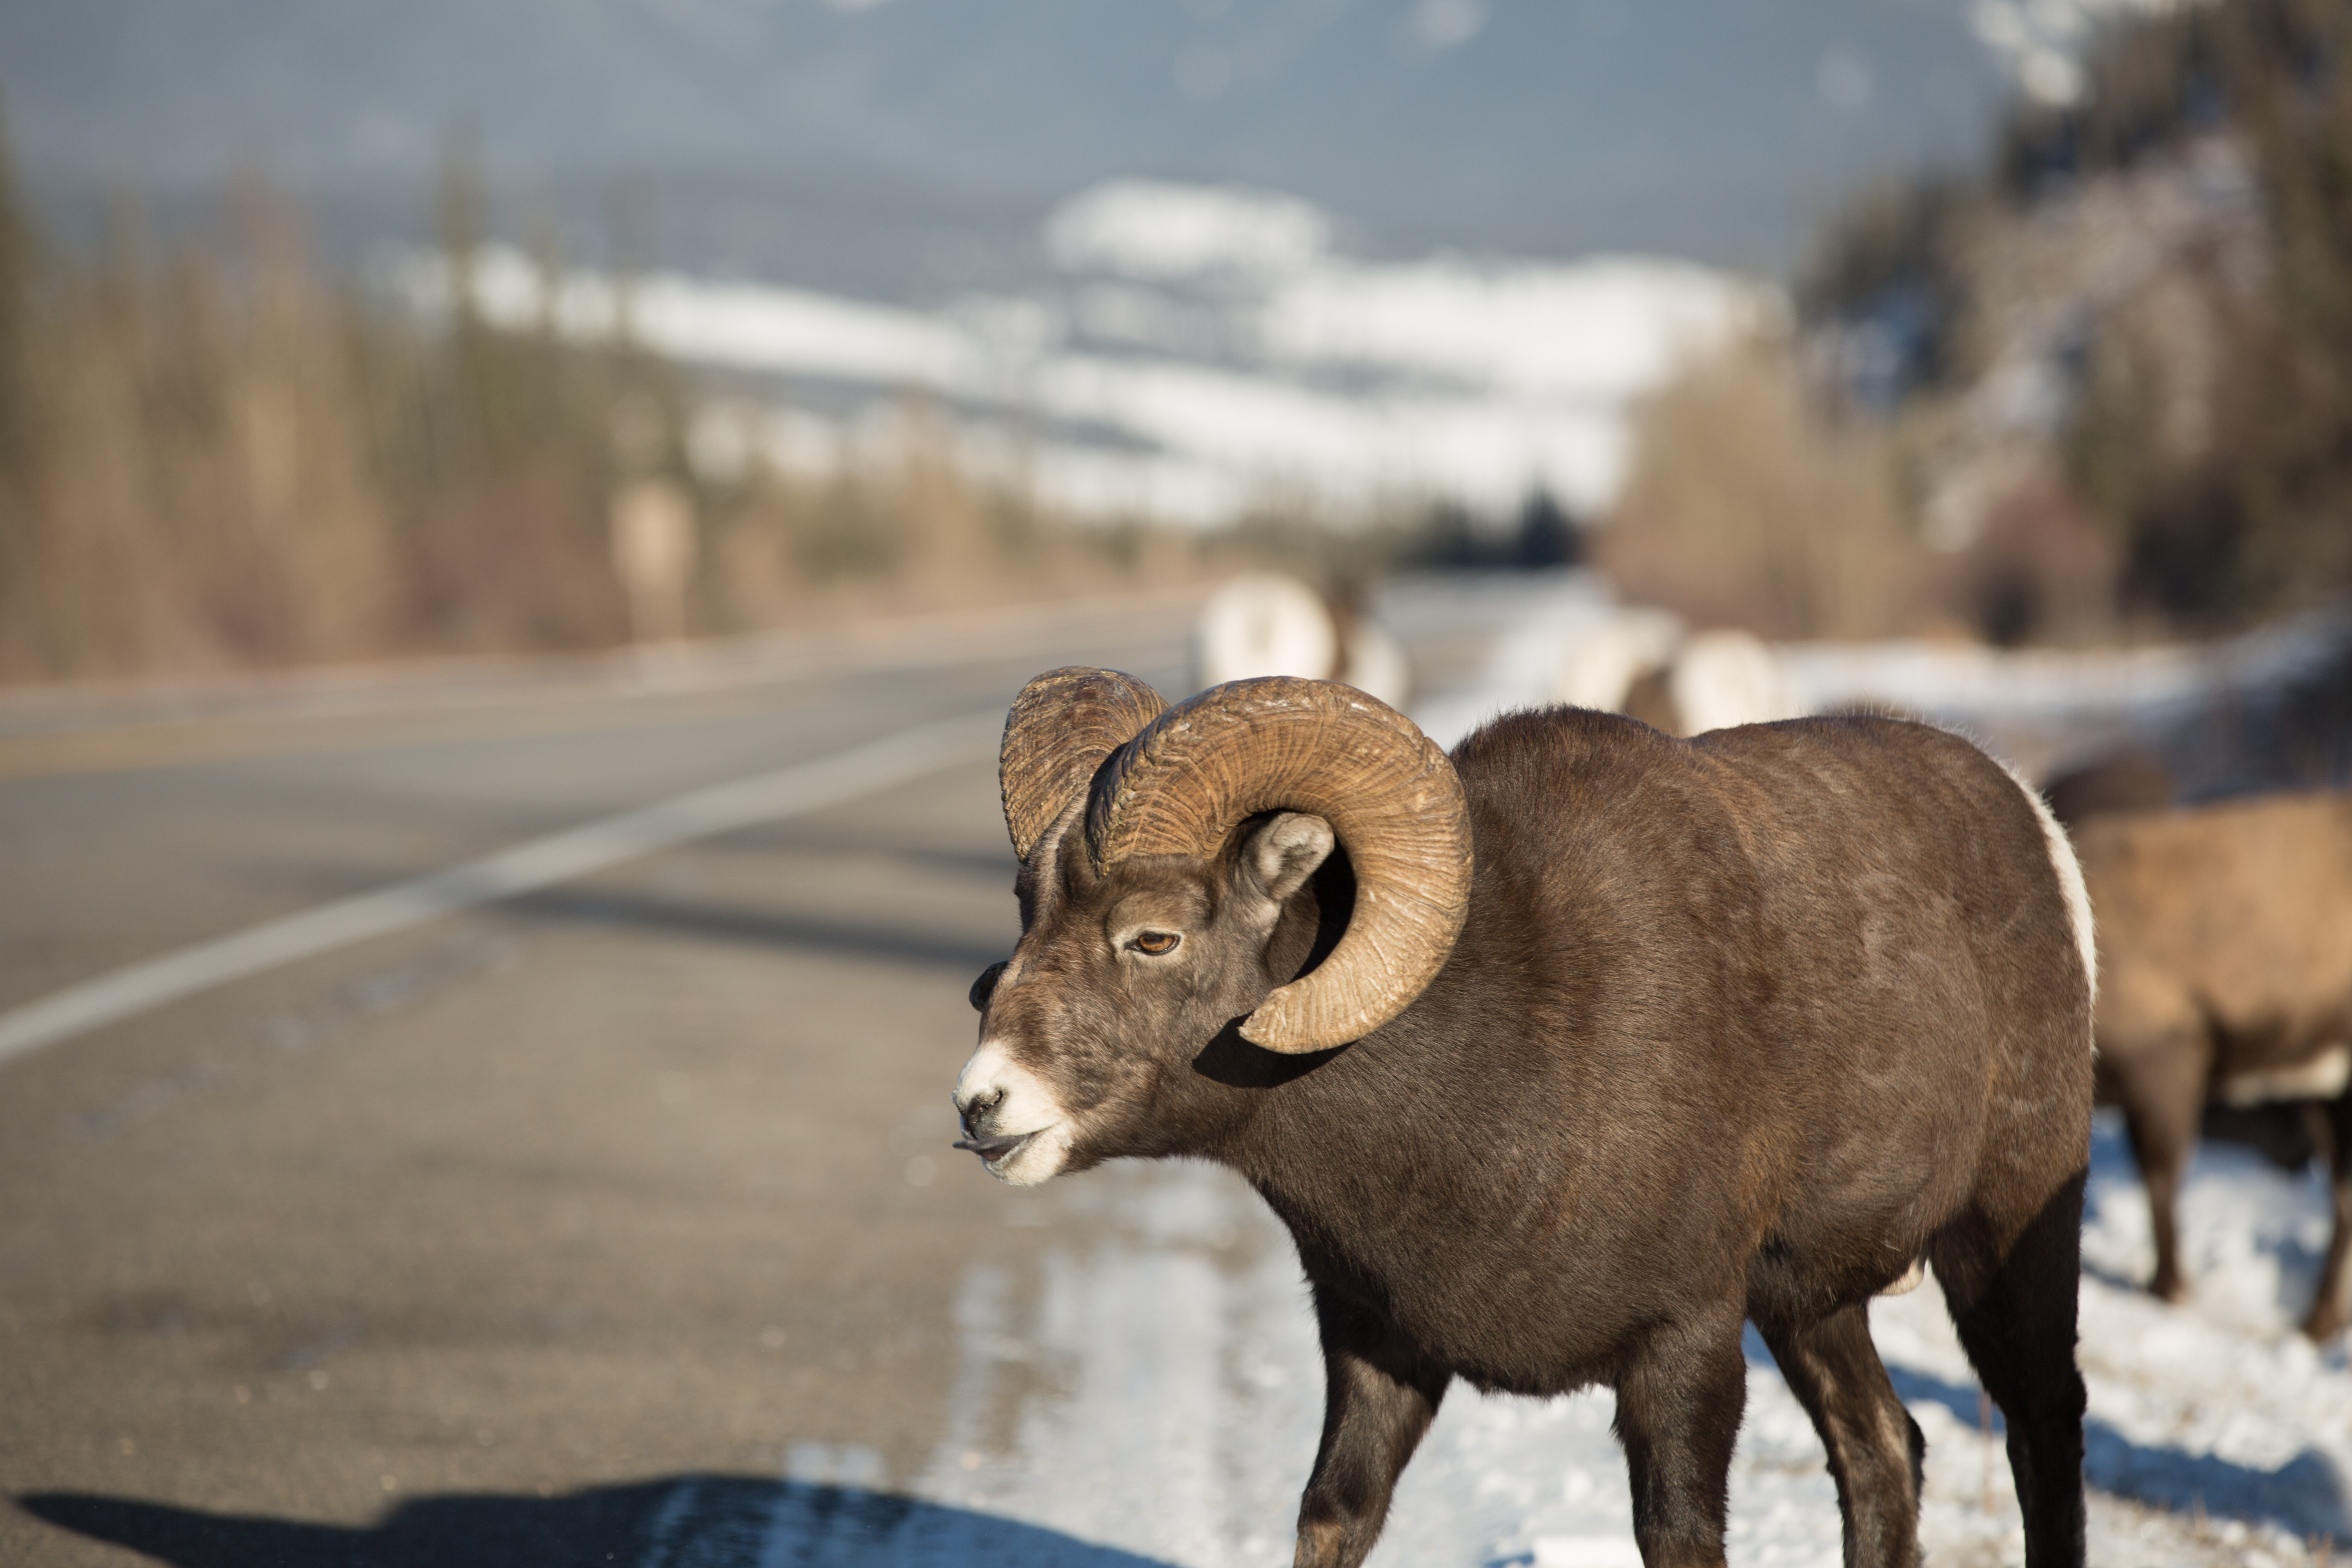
(463, 1246)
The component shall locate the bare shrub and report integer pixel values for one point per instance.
(1746, 505)
(913, 528)
(192, 488)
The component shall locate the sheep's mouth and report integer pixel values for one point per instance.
(992, 1150)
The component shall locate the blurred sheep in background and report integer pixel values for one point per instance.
(1603, 657)
(2130, 780)
(2288, 1128)
(1721, 678)
(2226, 977)
(1266, 623)
(1639, 662)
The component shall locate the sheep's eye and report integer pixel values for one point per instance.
(1156, 943)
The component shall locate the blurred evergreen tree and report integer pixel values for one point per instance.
(1546, 536)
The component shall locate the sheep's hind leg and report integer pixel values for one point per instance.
(2333, 1307)
(1379, 1399)
(2015, 1306)
(2159, 1082)
(1678, 1407)
(1875, 1448)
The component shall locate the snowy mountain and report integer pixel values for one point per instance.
(1193, 350)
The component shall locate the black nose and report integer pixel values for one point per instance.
(985, 986)
(982, 1104)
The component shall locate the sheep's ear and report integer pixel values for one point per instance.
(1284, 851)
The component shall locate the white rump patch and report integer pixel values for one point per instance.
(2070, 882)
(2322, 1077)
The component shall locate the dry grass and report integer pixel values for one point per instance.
(192, 484)
(1746, 506)
(911, 530)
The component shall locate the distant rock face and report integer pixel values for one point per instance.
(2118, 268)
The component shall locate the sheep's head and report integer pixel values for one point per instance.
(1166, 855)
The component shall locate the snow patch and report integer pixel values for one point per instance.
(1148, 229)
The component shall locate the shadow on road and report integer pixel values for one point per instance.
(2307, 1495)
(696, 1522)
(2304, 1495)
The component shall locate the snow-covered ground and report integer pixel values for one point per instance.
(2039, 709)
(1150, 1393)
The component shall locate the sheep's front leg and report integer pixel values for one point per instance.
(1379, 1398)
(2333, 1307)
(1678, 1407)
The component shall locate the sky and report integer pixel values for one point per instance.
(1714, 129)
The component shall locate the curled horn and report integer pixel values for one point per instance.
(1059, 730)
(1284, 744)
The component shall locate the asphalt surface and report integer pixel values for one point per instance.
(467, 1245)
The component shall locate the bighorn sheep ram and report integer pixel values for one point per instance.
(1562, 1057)
(2226, 933)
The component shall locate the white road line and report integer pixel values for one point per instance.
(766, 797)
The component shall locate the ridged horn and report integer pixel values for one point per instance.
(1060, 728)
(1285, 743)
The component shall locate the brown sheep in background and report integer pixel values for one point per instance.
(2131, 780)
(2225, 949)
